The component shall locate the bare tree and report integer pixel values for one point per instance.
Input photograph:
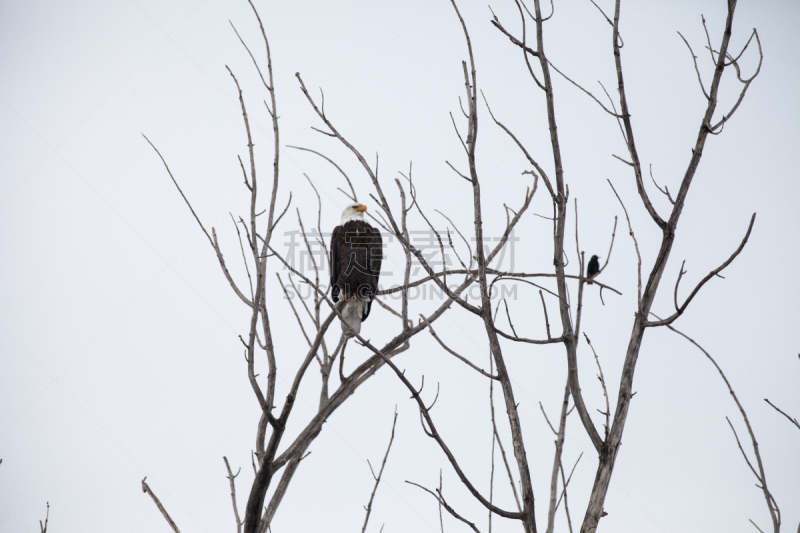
(608, 442)
(274, 452)
(607, 446)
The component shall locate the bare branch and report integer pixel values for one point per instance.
(419, 210)
(635, 243)
(505, 335)
(244, 258)
(562, 427)
(603, 13)
(565, 483)
(380, 473)
(696, 69)
(442, 502)
(623, 160)
(508, 316)
(453, 353)
(231, 478)
(792, 420)
(43, 526)
(738, 442)
(761, 476)
(434, 434)
(189, 205)
(608, 255)
(404, 226)
(382, 199)
(302, 301)
(626, 121)
(255, 63)
(710, 275)
(288, 472)
(364, 371)
(285, 209)
(531, 160)
(589, 94)
(522, 44)
(664, 191)
(329, 160)
(546, 320)
(457, 172)
(496, 437)
(291, 304)
(466, 242)
(211, 240)
(746, 82)
(496, 23)
(146, 489)
(602, 382)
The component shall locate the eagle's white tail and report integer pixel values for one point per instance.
(352, 312)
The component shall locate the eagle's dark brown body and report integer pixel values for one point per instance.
(356, 257)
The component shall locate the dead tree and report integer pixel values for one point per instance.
(606, 441)
(275, 453)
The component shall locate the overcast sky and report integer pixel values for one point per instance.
(119, 356)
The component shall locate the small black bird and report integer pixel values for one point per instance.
(592, 269)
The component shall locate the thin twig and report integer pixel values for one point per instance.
(602, 382)
(715, 272)
(289, 299)
(231, 478)
(635, 243)
(792, 420)
(665, 190)
(453, 353)
(329, 160)
(500, 442)
(491, 271)
(43, 527)
(696, 68)
(557, 460)
(761, 476)
(380, 473)
(146, 489)
(442, 502)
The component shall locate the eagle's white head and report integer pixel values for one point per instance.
(353, 212)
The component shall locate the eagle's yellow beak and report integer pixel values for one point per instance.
(361, 208)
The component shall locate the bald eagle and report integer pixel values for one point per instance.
(356, 256)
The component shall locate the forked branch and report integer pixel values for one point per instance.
(679, 310)
(231, 479)
(43, 526)
(368, 508)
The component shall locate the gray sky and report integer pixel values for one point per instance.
(119, 355)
